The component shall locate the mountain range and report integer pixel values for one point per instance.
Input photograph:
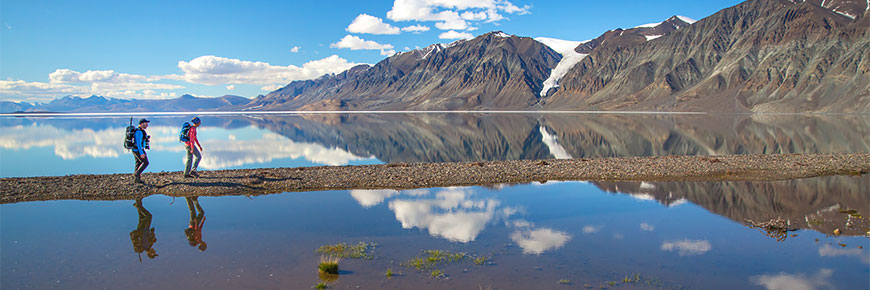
(757, 56)
(185, 103)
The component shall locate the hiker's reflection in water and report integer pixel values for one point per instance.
(197, 220)
(143, 236)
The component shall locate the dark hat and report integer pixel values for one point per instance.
(144, 121)
(195, 120)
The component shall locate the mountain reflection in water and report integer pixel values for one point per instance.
(530, 236)
(240, 141)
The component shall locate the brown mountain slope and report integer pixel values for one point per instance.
(761, 55)
(493, 70)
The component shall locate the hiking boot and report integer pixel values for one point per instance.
(138, 181)
(194, 174)
(188, 176)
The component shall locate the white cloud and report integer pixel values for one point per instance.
(104, 83)
(647, 227)
(687, 247)
(447, 12)
(67, 144)
(356, 43)
(416, 28)
(829, 251)
(453, 214)
(455, 35)
(295, 49)
(369, 198)
(474, 16)
(231, 87)
(222, 153)
(783, 281)
(365, 23)
(591, 229)
(271, 88)
(271, 146)
(539, 240)
(215, 70)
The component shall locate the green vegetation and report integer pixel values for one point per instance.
(320, 286)
(432, 258)
(437, 273)
(480, 260)
(328, 264)
(389, 273)
(633, 278)
(564, 281)
(362, 250)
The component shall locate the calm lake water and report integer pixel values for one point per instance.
(555, 235)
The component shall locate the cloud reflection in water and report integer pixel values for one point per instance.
(783, 281)
(459, 215)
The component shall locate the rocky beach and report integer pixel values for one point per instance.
(422, 175)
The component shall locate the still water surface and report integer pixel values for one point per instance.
(64, 145)
(555, 235)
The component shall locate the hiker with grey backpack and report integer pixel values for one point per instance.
(137, 140)
(188, 137)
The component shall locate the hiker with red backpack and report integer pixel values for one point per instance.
(188, 137)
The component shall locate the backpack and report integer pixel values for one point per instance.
(184, 135)
(130, 136)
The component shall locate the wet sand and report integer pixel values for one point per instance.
(423, 175)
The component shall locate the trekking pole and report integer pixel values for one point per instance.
(131, 120)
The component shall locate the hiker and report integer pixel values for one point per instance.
(194, 231)
(140, 143)
(191, 164)
(143, 237)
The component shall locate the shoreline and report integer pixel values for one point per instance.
(763, 167)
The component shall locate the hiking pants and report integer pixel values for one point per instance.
(192, 163)
(141, 164)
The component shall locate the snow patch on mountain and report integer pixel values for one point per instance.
(686, 19)
(845, 14)
(569, 59)
(651, 37)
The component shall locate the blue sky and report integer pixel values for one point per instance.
(163, 49)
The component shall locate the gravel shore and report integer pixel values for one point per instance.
(422, 175)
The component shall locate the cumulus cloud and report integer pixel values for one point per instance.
(231, 87)
(454, 214)
(365, 23)
(455, 35)
(295, 49)
(356, 43)
(67, 144)
(369, 198)
(271, 146)
(215, 70)
(416, 28)
(74, 144)
(453, 14)
(783, 281)
(687, 247)
(64, 82)
(647, 227)
(539, 240)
